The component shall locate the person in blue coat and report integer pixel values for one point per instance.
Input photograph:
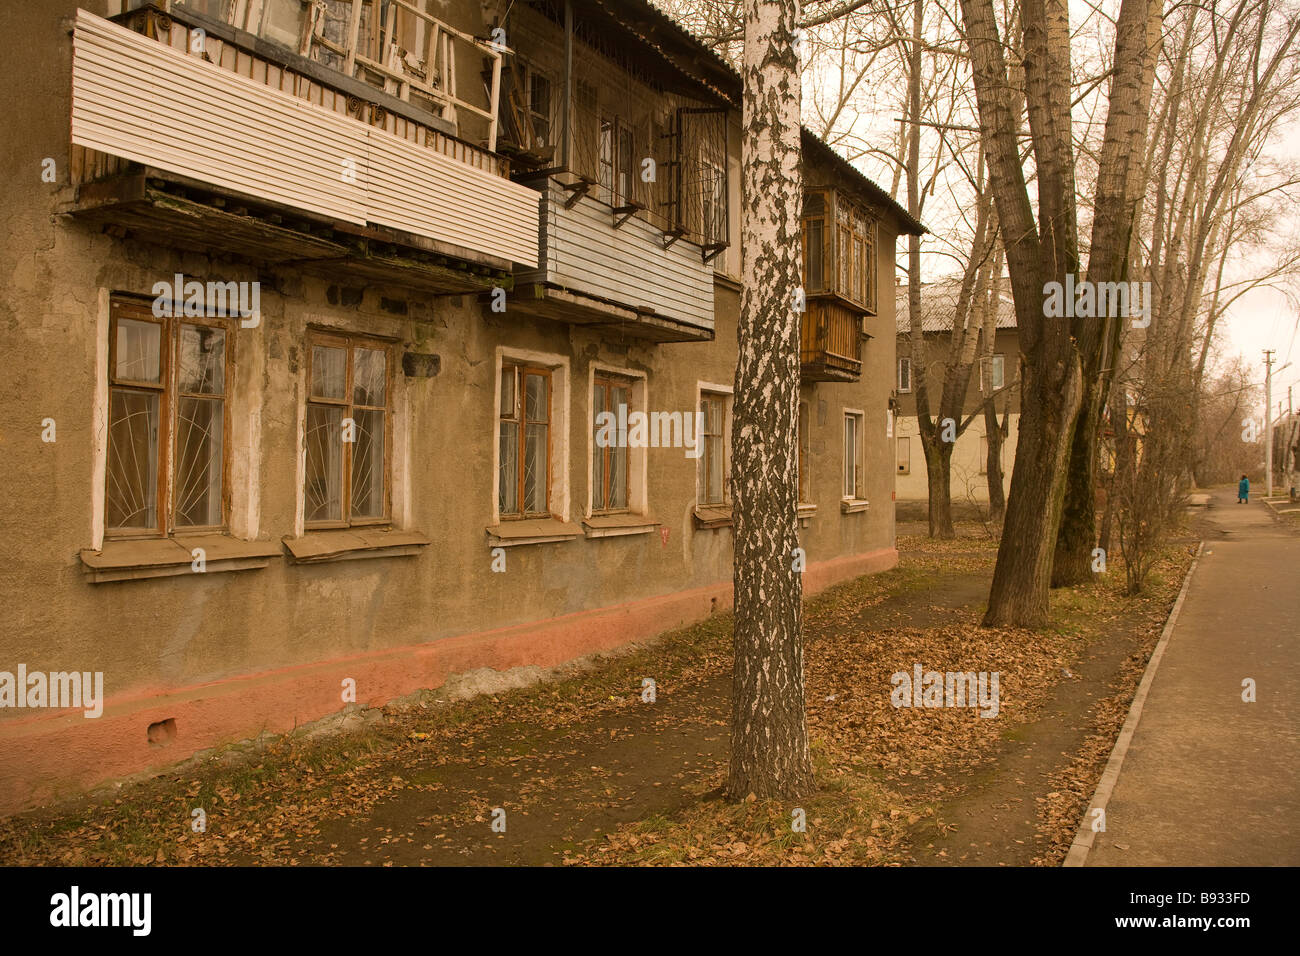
(1243, 491)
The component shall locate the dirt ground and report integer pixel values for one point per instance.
(585, 771)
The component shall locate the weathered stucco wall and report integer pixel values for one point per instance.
(230, 654)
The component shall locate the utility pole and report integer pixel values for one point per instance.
(1268, 422)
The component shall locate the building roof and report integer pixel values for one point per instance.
(815, 145)
(939, 306)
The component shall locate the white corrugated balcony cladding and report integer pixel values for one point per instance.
(216, 138)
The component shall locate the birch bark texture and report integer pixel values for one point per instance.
(769, 735)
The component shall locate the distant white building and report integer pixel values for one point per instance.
(970, 455)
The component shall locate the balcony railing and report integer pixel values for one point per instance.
(830, 340)
(233, 129)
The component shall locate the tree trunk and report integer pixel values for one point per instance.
(938, 473)
(1049, 372)
(997, 436)
(1119, 190)
(769, 736)
(995, 433)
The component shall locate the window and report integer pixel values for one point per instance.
(167, 446)
(714, 487)
(992, 374)
(984, 456)
(609, 467)
(844, 252)
(619, 166)
(626, 167)
(869, 264)
(859, 268)
(904, 374)
(853, 260)
(714, 199)
(805, 447)
(853, 456)
(904, 455)
(524, 435)
(606, 149)
(539, 106)
(814, 242)
(349, 414)
(284, 21)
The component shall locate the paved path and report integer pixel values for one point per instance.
(1209, 779)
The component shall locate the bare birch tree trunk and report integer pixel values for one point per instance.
(769, 735)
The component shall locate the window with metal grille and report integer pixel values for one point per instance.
(524, 442)
(349, 414)
(609, 466)
(167, 422)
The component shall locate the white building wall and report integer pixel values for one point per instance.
(968, 480)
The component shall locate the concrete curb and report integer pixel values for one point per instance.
(1085, 836)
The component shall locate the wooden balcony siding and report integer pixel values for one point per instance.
(625, 274)
(830, 341)
(238, 129)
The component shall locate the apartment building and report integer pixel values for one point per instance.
(992, 379)
(320, 318)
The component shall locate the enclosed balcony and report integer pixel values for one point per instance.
(839, 270)
(830, 342)
(629, 155)
(190, 132)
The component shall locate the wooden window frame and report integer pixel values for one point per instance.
(621, 160)
(702, 489)
(607, 157)
(856, 492)
(332, 338)
(607, 381)
(532, 74)
(852, 275)
(803, 449)
(827, 283)
(899, 375)
(987, 365)
(520, 369)
(168, 390)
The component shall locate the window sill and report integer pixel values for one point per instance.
(351, 544)
(804, 514)
(853, 506)
(712, 517)
(137, 559)
(509, 534)
(613, 526)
